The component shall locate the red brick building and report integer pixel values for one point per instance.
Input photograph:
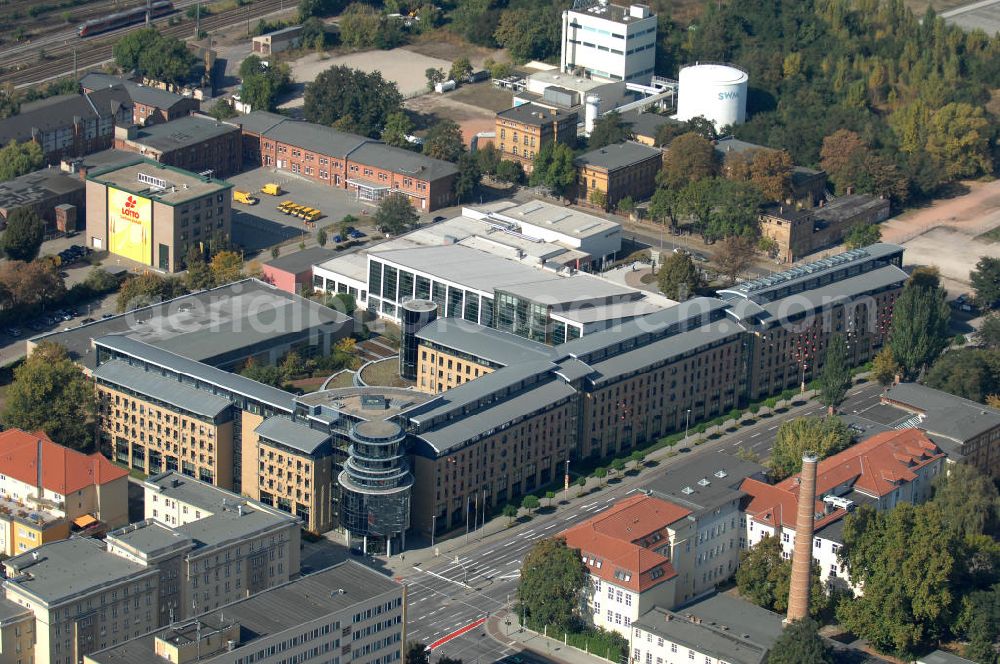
(196, 143)
(364, 166)
(149, 105)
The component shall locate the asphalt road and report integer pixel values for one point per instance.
(448, 594)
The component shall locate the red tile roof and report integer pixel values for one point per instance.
(874, 467)
(63, 470)
(620, 541)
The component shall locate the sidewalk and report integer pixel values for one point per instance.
(505, 628)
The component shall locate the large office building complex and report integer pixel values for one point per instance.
(154, 214)
(347, 613)
(200, 549)
(604, 40)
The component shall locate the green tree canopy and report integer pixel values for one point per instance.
(758, 574)
(510, 171)
(309, 8)
(530, 33)
(968, 501)
(800, 643)
(50, 393)
(23, 236)
(971, 373)
(17, 159)
(735, 210)
(690, 158)
(988, 333)
(444, 141)
(609, 129)
(460, 70)
(678, 277)
(884, 367)
(352, 99)
(397, 127)
(395, 214)
(553, 579)
(822, 435)
(769, 170)
(160, 57)
(919, 329)
(416, 653)
(553, 167)
(861, 235)
(985, 280)
(141, 290)
(362, 26)
(836, 375)
(468, 176)
(665, 206)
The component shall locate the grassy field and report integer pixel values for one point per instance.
(384, 373)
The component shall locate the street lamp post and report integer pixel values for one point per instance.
(802, 386)
(434, 518)
(566, 480)
(687, 424)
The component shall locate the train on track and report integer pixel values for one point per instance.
(121, 19)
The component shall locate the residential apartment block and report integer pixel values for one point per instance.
(624, 170)
(368, 168)
(87, 595)
(887, 469)
(521, 132)
(48, 491)
(70, 125)
(150, 104)
(347, 613)
(17, 633)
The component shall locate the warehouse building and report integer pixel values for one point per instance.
(153, 214)
(45, 192)
(347, 613)
(368, 168)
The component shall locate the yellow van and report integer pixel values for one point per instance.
(313, 215)
(284, 205)
(244, 197)
(271, 189)
(304, 212)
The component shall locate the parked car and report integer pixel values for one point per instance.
(337, 239)
(104, 316)
(87, 320)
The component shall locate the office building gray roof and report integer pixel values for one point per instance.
(722, 475)
(535, 115)
(11, 612)
(208, 326)
(59, 111)
(335, 590)
(36, 187)
(486, 343)
(316, 138)
(404, 162)
(942, 657)
(258, 122)
(199, 373)
(301, 261)
(162, 388)
(142, 94)
(58, 571)
(187, 132)
(646, 124)
(565, 291)
(295, 435)
(727, 628)
(945, 414)
(149, 538)
(617, 156)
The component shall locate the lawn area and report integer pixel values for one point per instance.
(342, 379)
(384, 373)
(990, 236)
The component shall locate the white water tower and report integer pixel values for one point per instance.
(716, 92)
(592, 110)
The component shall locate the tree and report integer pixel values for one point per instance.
(919, 329)
(434, 76)
(734, 255)
(314, 34)
(397, 127)
(223, 109)
(800, 643)
(352, 99)
(130, 47)
(263, 86)
(884, 367)
(980, 622)
(637, 457)
(968, 501)
(617, 465)
(836, 376)
(988, 333)
(768, 170)
(530, 503)
(100, 281)
(689, 159)
(554, 168)
(17, 159)
(600, 473)
(970, 373)
(227, 267)
(395, 214)
(861, 235)
(416, 653)
(24, 234)
(821, 435)
(552, 582)
(959, 137)
(199, 275)
(30, 284)
(664, 206)
(460, 70)
(444, 141)
(679, 278)
(468, 177)
(841, 157)
(925, 276)
(321, 237)
(734, 209)
(309, 8)
(909, 600)
(757, 575)
(51, 393)
(609, 129)
(626, 206)
(697, 200)
(530, 33)
(489, 159)
(550, 496)
(510, 171)
(985, 280)
(362, 26)
(510, 512)
(141, 290)
(582, 483)
(163, 58)
(598, 198)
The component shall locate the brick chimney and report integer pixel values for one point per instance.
(798, 592)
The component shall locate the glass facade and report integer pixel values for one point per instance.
(522, 317)
(389, 287)
(414, 314)
(376, 481)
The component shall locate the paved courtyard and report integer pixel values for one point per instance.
(984, 15)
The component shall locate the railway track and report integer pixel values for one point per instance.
(91, 52)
